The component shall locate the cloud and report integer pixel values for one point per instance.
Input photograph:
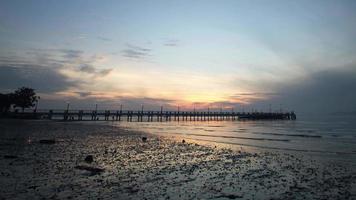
(72, 59)
(89, 69)
(49, 70)
(43, 79)
(254, 94)
(70, 53)
(84, 94)
(104, 39)
(136, 52)
(55, 55)
(104, 72)
(171, 43)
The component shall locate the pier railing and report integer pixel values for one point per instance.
(150, 116)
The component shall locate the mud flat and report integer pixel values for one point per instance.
(90, 161)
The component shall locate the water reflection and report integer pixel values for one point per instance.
(323, 136)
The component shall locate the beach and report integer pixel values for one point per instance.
(72, 160)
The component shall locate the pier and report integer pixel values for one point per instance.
(151, 116)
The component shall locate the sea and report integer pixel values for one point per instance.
(328, 137)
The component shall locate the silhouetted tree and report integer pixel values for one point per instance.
(24, 98)
(6, 101)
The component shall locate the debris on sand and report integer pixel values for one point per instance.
(10, 157)
(47, 141)
(183, 141)
(92, 170)
(230, 196)
(144, 139)
(89, 159)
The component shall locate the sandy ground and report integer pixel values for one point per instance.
(125, 167)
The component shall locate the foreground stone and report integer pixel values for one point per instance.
(47, 141)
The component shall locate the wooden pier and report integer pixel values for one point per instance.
(158, 116)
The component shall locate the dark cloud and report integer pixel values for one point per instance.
(325, 91)
(41, 69)
(62, 55)
(59, 58)
(94, 71)
(255, 94)
(136, 52)
(104, 72)
(133, 54)
(85, 94)
(9, 60)
(87, 68)
(43, 79)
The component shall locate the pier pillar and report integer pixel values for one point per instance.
(80, 115)
(65, 116)
(50, 114)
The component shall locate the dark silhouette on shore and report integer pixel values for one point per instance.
(5, 102)
(23, 97)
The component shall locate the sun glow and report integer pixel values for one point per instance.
(203, 98)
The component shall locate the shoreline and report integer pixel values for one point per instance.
(159, 168)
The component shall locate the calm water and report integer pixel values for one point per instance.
(330, 136)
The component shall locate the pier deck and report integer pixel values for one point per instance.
(150, 116)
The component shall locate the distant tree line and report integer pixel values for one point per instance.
(23, 97)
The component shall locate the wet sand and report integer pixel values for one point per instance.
(126, 167)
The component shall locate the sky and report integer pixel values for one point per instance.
(253, 54)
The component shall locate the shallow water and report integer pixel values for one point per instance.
(326, 136)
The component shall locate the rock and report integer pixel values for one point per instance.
(183, 141)
(92, 170)
(10, 157)
(47, 141)
(144, 139)
(89, 159)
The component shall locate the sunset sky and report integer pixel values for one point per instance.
(250, 54)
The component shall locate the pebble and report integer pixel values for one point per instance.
(89, 159)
